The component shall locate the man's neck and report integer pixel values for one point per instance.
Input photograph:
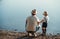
(33, 15)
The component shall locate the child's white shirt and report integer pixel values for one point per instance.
(45, 18)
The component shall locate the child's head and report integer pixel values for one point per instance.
(45, 13)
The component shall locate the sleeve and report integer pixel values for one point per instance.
(47, 18)
(38, 20)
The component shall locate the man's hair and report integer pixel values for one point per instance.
(33, 12)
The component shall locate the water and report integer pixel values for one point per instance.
(13, 13)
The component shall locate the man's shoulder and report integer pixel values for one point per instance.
(37, 17)
(28, 16)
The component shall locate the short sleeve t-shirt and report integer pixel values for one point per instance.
(45, 18)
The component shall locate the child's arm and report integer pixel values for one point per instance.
(41, 21)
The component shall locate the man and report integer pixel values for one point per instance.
(31, 23)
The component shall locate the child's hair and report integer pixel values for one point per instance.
(45, 13)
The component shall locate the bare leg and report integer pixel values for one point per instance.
(43, 30)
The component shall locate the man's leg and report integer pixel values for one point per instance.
(34, 34)
(37, 28)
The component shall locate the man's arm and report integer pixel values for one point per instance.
(41, 21)
(38, 23)
(25, 24)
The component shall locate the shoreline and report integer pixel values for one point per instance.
(5, 34)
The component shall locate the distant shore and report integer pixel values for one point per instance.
(5, 34)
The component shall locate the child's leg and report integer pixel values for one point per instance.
(44, 31)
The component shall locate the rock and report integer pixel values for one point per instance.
(4, 34)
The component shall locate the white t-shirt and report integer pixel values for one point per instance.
(45, 18)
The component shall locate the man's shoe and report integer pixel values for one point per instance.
(30, 34)
(35, 35)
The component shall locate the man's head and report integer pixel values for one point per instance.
(34, 12)
(45, 13)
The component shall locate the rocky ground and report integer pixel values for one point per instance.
(4, 34)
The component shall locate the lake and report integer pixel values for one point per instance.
(13, 13)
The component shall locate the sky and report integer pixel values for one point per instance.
(13, 13)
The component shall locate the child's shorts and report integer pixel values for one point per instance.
(44, 24)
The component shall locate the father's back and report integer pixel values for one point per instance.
(31, 23)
